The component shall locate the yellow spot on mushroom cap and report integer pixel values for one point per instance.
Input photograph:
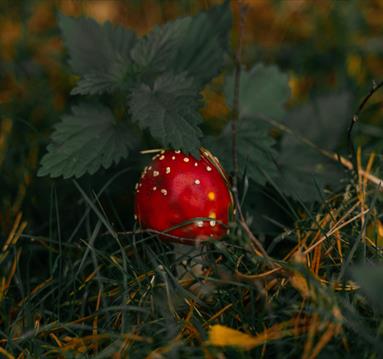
(211, 196)
(212, 215)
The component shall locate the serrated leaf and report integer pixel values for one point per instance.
(169, 109)
(85, 141)
(195, 45)
(155, 52)
(97, 52)
(97, 83)
(202, 50)
(255, 150)
(264, 90)
(304, 171)
(93, 47)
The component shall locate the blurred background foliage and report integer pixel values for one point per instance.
(323, 46)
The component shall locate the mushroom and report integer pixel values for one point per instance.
(186, 198)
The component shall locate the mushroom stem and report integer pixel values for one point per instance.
(189, 260)
(190, 266)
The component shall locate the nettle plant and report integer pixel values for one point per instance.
(155, 82)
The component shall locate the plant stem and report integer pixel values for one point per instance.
(378, 182)
(354, 120)
(237, 81)
(256, 244)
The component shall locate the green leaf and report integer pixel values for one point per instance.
(155, 52)
(267, 212)
(99, 53)
(85, 141)
(323, 121)
(203, 47)
(97, 83)
(369, 277)
(255, 150)
(264, 90)
(169, 109)
(195, 45)
(304, 171)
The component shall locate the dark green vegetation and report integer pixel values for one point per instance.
(79, 279)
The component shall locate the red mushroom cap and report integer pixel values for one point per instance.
(189, 196)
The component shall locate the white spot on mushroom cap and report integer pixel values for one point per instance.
(196, 164)
(167, 171)
(164, 192)
(197, 181)
(155, 173)
(212, 223)
(186, 159)
(161, 157)
(177, 151)
(173, 158)
(208, 168)
(154, 188)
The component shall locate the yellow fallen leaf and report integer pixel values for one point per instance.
(299, 282)
(219, 335)
(375, 232)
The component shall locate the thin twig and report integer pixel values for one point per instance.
(164, 234)
(256, 244)
(331, 155)
(237, 82)
(355, 119)
(333, 230)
